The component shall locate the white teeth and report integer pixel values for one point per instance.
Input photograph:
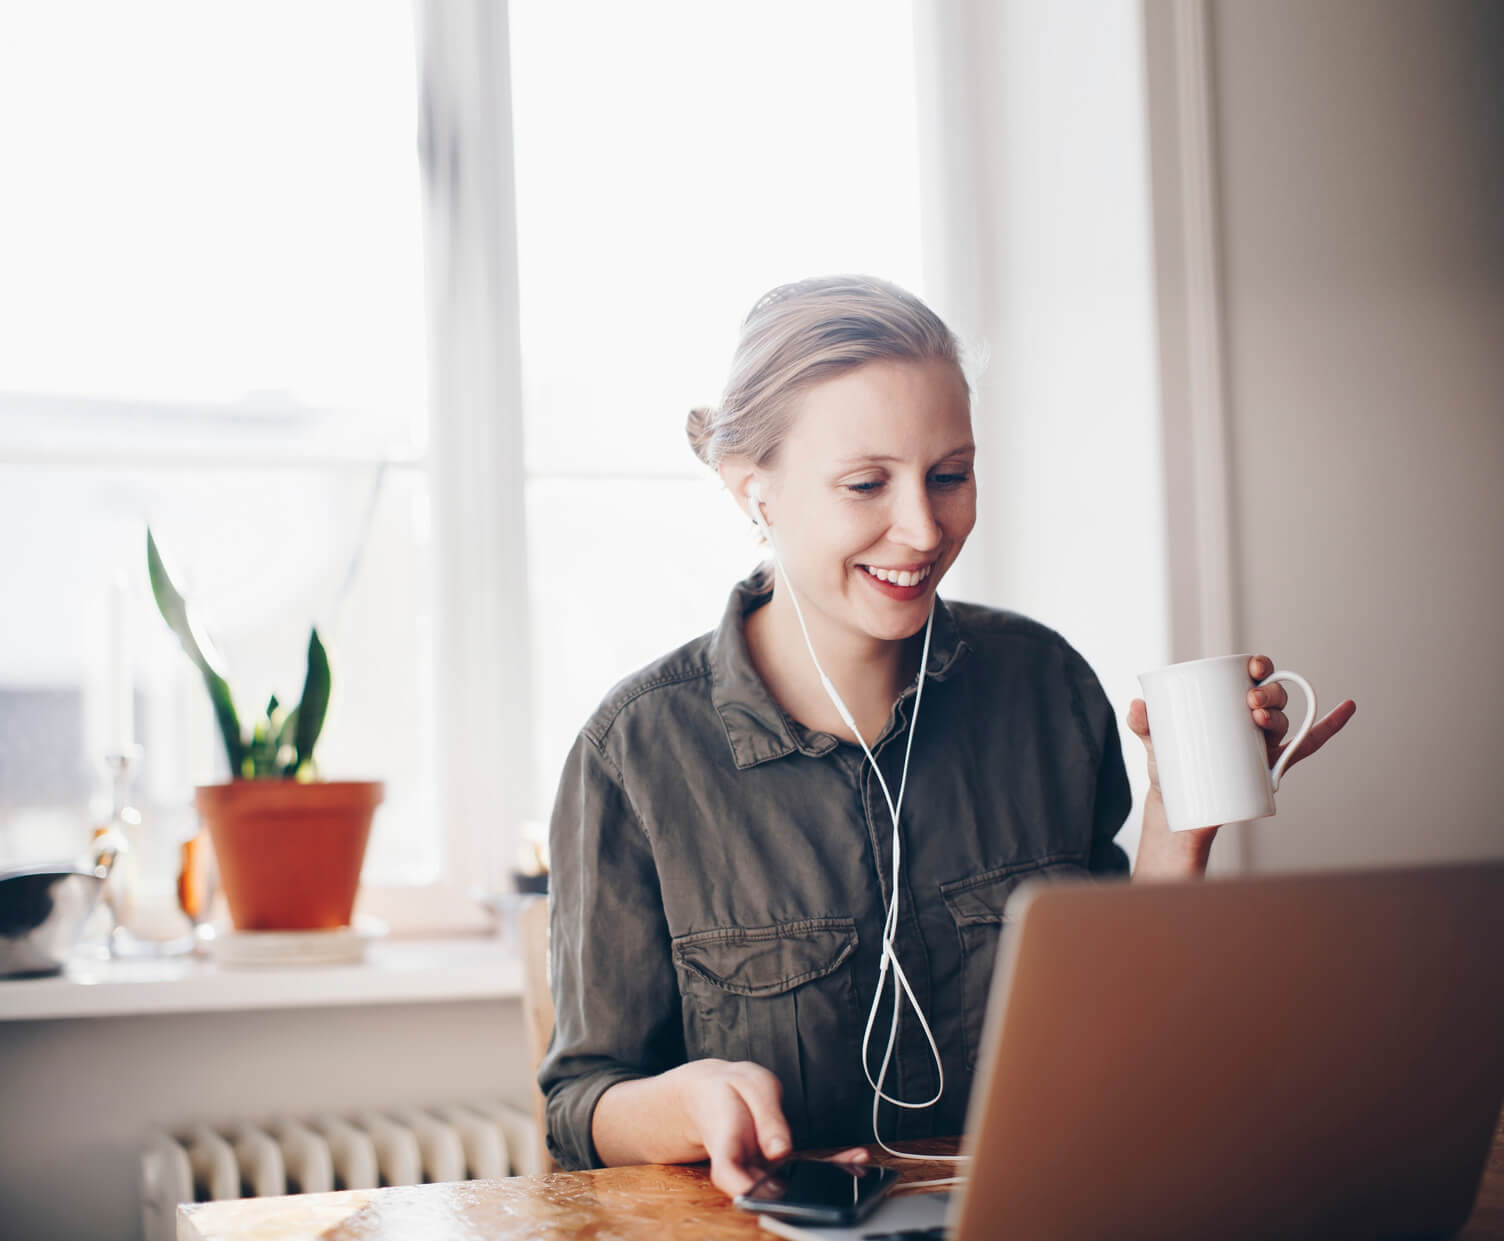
(899, 577)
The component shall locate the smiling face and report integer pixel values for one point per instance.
(871, 496)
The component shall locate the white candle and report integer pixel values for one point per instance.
(122, 723)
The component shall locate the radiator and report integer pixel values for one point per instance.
(360, 1150)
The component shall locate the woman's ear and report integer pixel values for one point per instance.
(742, 479)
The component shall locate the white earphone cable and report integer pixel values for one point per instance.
(901, 986)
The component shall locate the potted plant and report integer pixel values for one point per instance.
(289, 845)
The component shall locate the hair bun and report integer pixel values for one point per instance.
(697, 428)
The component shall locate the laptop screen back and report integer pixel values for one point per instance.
(1315, 1055)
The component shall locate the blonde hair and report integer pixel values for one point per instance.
(800, 334)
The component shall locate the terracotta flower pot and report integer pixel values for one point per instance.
(289, 854)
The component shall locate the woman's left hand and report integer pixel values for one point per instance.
(1162, 852)
(1268, 702)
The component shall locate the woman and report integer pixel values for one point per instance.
(723, 844)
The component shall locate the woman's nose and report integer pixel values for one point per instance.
(914, 523)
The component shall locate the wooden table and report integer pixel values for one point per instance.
(619, 1204)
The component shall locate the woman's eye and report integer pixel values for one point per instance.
(949, 480)
(864, 488)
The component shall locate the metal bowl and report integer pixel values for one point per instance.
(42, 911)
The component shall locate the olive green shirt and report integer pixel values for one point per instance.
(719, 871)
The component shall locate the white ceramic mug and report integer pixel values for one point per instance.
(1212, 761)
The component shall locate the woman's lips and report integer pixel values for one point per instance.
(902, 594)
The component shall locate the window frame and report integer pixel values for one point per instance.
(473, 458)
(483, 644)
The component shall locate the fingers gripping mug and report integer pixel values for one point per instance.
(1211, 757)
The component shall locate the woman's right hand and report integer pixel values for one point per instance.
(727, 1111)
(733, 1111)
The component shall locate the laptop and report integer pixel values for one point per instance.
(1297, 1056)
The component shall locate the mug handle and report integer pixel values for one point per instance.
(1305, 727)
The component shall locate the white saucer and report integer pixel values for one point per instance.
(342, 945)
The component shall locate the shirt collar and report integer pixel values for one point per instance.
(757, 728)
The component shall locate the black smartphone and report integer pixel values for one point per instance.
(821, 1191)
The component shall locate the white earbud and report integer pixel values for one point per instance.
(754, 505)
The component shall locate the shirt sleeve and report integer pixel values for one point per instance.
(1114, 796)
(616, 998)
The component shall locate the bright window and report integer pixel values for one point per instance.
(212, 309)
(674, 161)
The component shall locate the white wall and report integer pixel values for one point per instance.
(1360, 165)
(77, 1096)
(1356, 177)
(1038, 241)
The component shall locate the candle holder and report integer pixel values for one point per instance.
(122, 763)
(115, 839)
(141, 894)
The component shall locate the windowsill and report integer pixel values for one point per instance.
(398, 972)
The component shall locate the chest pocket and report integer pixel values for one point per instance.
(781, 996)
(979, 905)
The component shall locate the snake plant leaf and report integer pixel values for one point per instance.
(260, 761)
(198, 648)
(310, 711)
(287, 758)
